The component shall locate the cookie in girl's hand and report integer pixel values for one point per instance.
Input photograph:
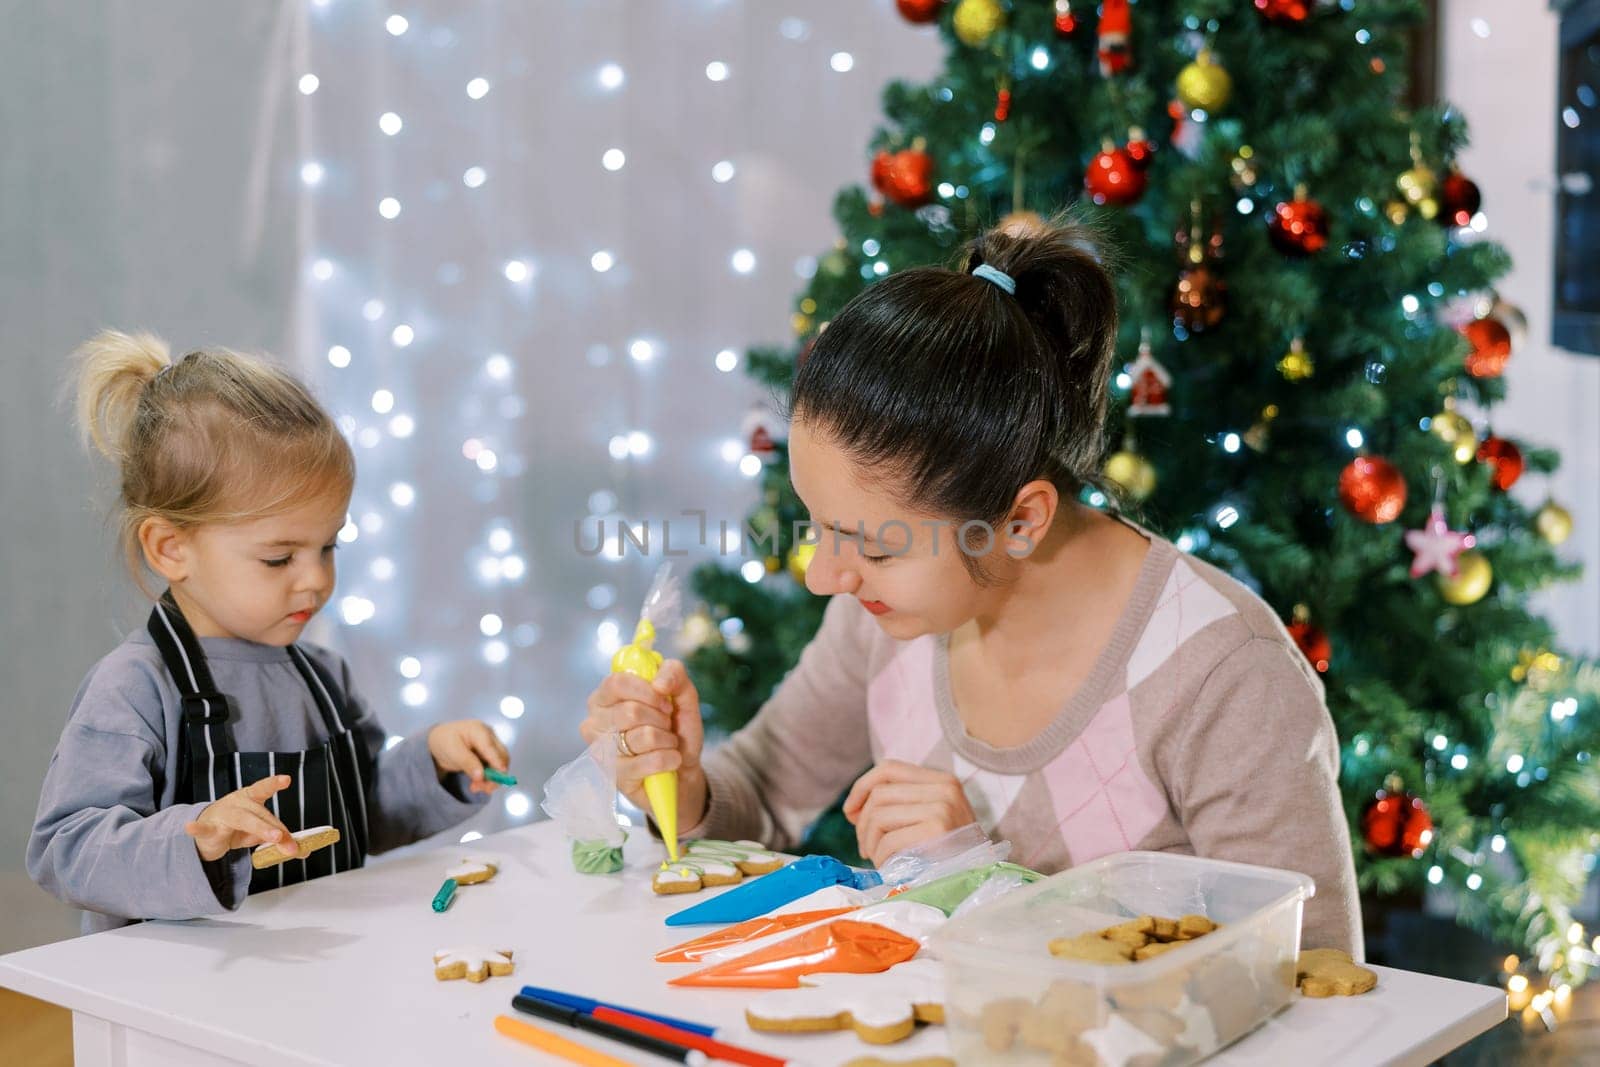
(881, 1008)
(473, 964)
(308, 840)
(1329, 972)
(474, 869)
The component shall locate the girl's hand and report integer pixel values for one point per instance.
(241, 820)
(655, 726)
(466, 745)
(897, 805)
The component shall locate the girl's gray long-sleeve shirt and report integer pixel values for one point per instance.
(108, 837)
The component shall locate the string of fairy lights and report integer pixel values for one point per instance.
(418, 447)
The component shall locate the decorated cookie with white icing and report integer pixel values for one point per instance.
(473, 964)
(751, 857)
(880, 1008)
(307, 840)
(677, 878)
(474, 868)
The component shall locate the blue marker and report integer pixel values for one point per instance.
(584, 1004)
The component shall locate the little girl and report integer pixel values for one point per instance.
(996, 651)
(211, 730)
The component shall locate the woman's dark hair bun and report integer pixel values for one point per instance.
(966, 390)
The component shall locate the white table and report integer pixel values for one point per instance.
(339, 971)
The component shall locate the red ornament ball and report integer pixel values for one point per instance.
(1002, 105)
(1114, 177)
(1491, 347)
(1372, 489)
(1284, 11)
(905, 177)
(1298, 227)
(919, 11)
(1066, 21)
(1505, 460)
(1396, 824)
(1459, 199)
(1140, 149)
(1314, 643)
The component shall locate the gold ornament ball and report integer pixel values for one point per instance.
(1472, 580)
(774, 564)
(976, 20)
(1553, 522)
(1417, 184)
(1297, 364)
(800, 559)
(1133, 473)
(1204, 84)
(1455, 430)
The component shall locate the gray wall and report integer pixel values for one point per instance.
(122, 173)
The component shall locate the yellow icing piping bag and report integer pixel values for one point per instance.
(660, 611)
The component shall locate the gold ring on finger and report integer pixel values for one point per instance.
(622, 744)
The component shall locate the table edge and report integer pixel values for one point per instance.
(81, 1001)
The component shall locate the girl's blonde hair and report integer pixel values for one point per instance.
(215, 437)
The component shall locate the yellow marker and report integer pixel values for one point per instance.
(640, 658)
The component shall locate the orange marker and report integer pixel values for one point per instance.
(555, 1044)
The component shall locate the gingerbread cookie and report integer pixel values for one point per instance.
(1057, 1023)
(1154, 948)
(751, 857)
(693, 875)
(473, 964)
(474, 869)
(1092, 948)
(678, 878)
(706, 864)
(1001, 1020)
(881, 1008)
(308, 840)
(1329, 972)
(1193, 926)
(1226, 989)
(1134, 940)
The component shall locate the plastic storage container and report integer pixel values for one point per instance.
(1009, 1001)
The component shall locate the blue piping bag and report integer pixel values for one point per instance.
(761, 895)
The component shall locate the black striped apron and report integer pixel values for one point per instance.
(328, 782)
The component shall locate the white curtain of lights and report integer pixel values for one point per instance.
(538, 238)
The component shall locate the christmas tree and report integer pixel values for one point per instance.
(1313, 353)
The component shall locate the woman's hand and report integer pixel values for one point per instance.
(656, 727)
(241, 820)
(466, 745)
(897, 805)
